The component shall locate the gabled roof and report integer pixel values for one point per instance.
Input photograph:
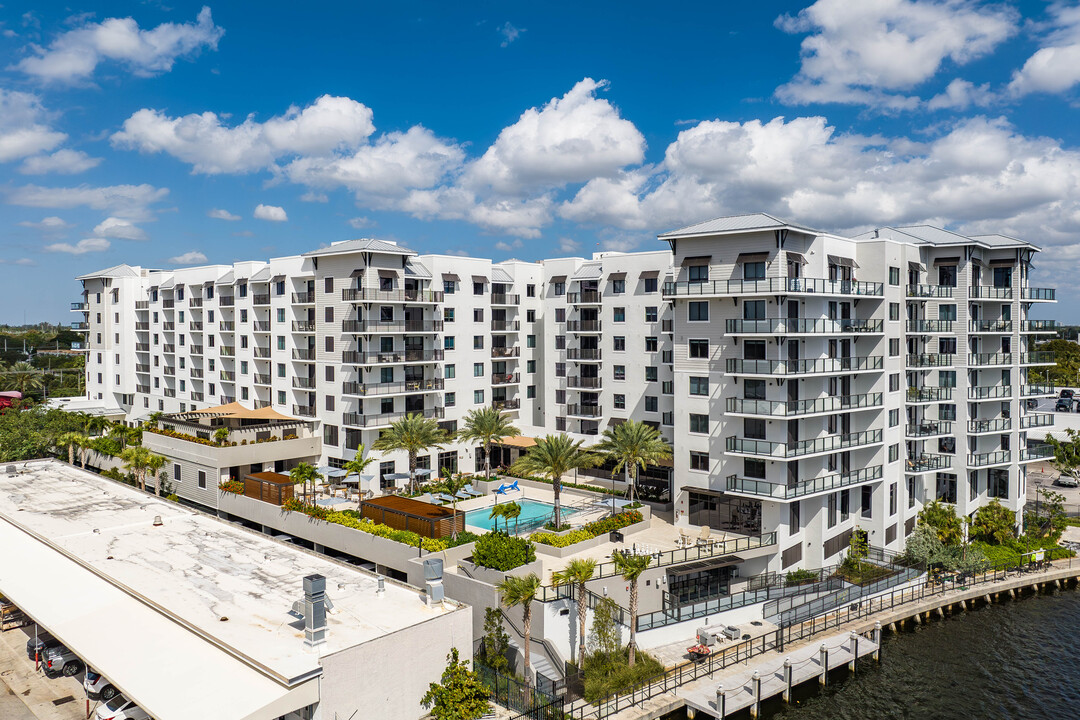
(263, 275)
(499, 275)
(737, 223)
(939, 237)
(362, 245)
(227, 279)
(997, 240)
(589, 271)
(414, 268)
(116, 271)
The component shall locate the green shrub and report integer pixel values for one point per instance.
(615, 522)
(799, 577)
(608, 674)
(570, 538)
(499, 551)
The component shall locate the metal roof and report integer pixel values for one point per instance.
(589, 271)
(263, 275)
(737, 223)
(931, 235)
(498, 275)
(360, 245)
(227, 279)
(116, 271)
(415, 268)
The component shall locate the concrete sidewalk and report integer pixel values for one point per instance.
(27, 694)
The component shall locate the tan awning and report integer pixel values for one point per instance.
(646, 274)
(697, 260)
(450, 277)
(388, 273)
(617, 276)
(479, 279)
(612, 422)
(916, 266)
(842, 261)
(796, 257)
(752, 257)
(1006, 262)
(558, 278)
(518, 441)
(947, 261)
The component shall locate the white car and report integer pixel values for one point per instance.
(120, 708)
(97, 687)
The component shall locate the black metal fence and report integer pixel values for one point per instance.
(528, 702)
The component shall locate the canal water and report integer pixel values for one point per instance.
(1009, 661)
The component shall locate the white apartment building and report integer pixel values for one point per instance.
(810, 384)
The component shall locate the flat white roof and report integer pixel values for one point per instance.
(193, 603)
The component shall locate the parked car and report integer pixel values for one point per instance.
(40, 644)
(97, 687)
(1066, 393)
(120, 708)
(1063, 405)
(59, 661)
(1067, 481)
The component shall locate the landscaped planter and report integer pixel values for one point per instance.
(494, 577)
(561, 552)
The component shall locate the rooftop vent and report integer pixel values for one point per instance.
(314, 610)
(157, 521)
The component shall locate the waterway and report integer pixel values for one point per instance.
(1010, 661)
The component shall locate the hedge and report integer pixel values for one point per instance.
(499, 551)
(352, 519)
(588, 531)
(233, 486)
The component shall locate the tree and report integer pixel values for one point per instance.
(137, 460)
(96, 425)
(1049, 520)
(460, 695)
(576, 573)
(1067, 452)
(552, 457)
(631, 567)
(357, 465)
(154, 463)
(23, 377)
(521, 590)
(485, 426)
(923, 547)
(414, 434)
(633, 445)
(221, 435)
(122, 433)
(72, 440)
(496, 641)
(942, 517)
(451, 484)
(303, 474)
(497, 511)
(605, 637)
(507, 511)
(994, 523)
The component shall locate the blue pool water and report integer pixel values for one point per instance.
(534, 514)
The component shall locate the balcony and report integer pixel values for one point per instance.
(505, 299)
(585, 411)
(931, 360)
(142, 347)
(386, 419)
(226, 300)
(195, 326)
(773, 286)
(990, 326)
(305, 355)
(761, 488)
(196, 373)
(927, 463)
(505, 352)
(988, 292)
(262, 353)
(227, 350)
(261, 378)
(142, 304)
(585, 297)
(796, 408)
(227, 375)
(80, 326)
(300, 326)
(168, 326)
(930, 327)
(144, 369)
(1037, 391)
(169, 392)
(226, 399)
(928, 395)
(583, 326)
(263, 326)
(195, 302)
(801, 326)
(304, 410)
(304, 298)
(196, 349)
(142, 326)
(999, 457)
(990, 359)
(505, 325)
(145, 389)
(818, 366)
(667, 326)
(1036, 421)
(170, 349)
(1038, 294)
(168, 304)
(79, 307)
(506, 404)
(168, 370)
(583, 354)
(197, 396)
(997, 425)
(801, 448)
(392, 388)
(387, 358)
(410, 326)
(226, 326)
(1037, 451)
(260, 299)
(588, 383)
(505, 378)
(402, 296)
(927, 429)
(1041, 357)
(993, 392)
(1039, 326)
(302, 383)
(929, 291)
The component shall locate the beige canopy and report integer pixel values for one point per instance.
(238, 411)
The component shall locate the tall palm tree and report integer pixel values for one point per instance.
(154, 463)
(552, 457)
(303, 474)
(72, 440)
(414, 434)
(631, 567)
(633, 445)
(357, 465)
(576, 573)
(511, 511)
(486, 426)
(23, 377)
(451, 485)
(122, 433)
(96, 425)
(136, 459)
(497, 511)
(522, 590)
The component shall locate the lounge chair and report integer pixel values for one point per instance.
(468, 490)
(442, 497)
(504, 488)
(462, 495)
(684, 540)
(703, 538)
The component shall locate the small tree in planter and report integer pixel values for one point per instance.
(460, 695)
(221, 435)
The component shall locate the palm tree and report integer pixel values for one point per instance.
(136, 459)
(24, 377)
(72, 440)
(305, 473)
(451, 485)
(414, 434)
(633, 445)
(576, 573)
(552, 457)
(221, 435)
(485, 426)
(357, 465)
(511, 511)
(154, 463)
(631, 567)
(498, 511)
(122, 433)
(521, 590)
(96, 424)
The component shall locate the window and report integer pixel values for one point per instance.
(754, 271)
(530, 316)
(894, 311)
(328, 314)
(202, 479)
(280, 342)
(947, 378)
(330, 373)
(243, 289)
(947, 275)
(448, 314)
(618, 287)
(651, 403)
(560, 315)
(699, 385)
(478, 342)
(243, 393)
(867, 500)
(894, 417)
(330, 402)
(651, 373)
(699, 423)
(176, 472)
(754, 468)
(832, 510)
(947, 312)
(947, 411)
(845, 504)
(1002, 277)
(449, 371)
(330, 434)
(650, 285)
(449, 399)
(894, 382)
(619, 343)
(699, 349)
(560, 369)
(793, 517)
(699, 461)
(530, 391)
(530, 366)
(892, 499)
(667, 387)
(328, 285)
(560, 289)
(651, 314)
(697, 273)
(947, 346)
(478, 288)
(754, 428)
(329, 344)
(650, 344)
(448, 342)
(894, 276)
(894, 452)
(448, 287)
(754, 349)
(619, 314)
(281, 397)
(478, 397)
(530, 341)
(279, 287)
(620, 402)
(243, 315)
(754, 310)
(478, 315)
(478, 369)
(620, 372)
(697, 311)
(530, 290)
(894, 347)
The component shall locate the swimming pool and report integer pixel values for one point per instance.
(534, 514)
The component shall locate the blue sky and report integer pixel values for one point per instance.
(190, 134)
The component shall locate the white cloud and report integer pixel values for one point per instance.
(49, 224)
(568, 245)
(961, 94)
(271, 213)
(193, 257)
(61, 162)
(82, 247)
(314, 197)
(75, 54)
(359, 223)
(509, 33)
(24, 127)
(504, 246)
(27, 262)
(1055, 67)
(130, 202)
(211, 147)
(218, 214)
(119, 229)
(871, 51)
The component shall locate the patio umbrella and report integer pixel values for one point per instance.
(358, 480)
(422, 472)
(335, 472)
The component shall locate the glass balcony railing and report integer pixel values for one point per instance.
(1038, 326)
(793, 408)
(930, 291)
(930, 326)
(929, 394)
(990, 326)
(928, 463)
(739, 366)
(988, 292)
(802, 326)
(928, 428)
(998, 457)
(1037, 391)
(751, 486)
(799, 448)
(993, 392)
(1043, 294)
(984, 359)
(990, 426)
(1040, 357)
(768, 286)
(1037, 451)
(931, 360)
(1035, 421)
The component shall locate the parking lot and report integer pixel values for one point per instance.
(26, 694)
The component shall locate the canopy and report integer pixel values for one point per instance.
(357, 480)
(396, 476)
(518, 441)
(422, 472)
(236, 410)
